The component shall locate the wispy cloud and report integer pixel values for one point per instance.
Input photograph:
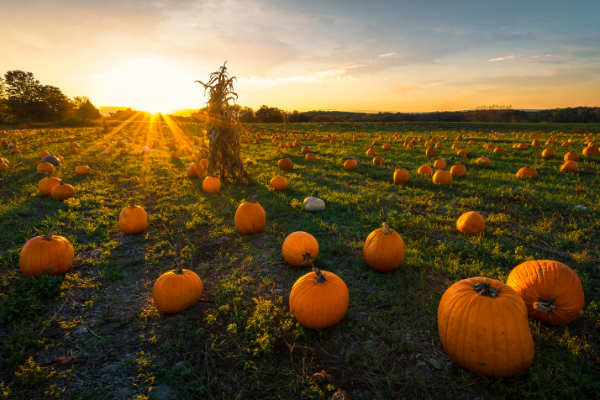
(315, 77)
(391, 54)
(501, 58)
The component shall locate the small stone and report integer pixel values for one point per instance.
(96, 253)
(161, 392)
(111, 368)
(179, 364)
(421, 364)
(124, 393)
(435, 363)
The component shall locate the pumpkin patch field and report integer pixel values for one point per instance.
(433, 261)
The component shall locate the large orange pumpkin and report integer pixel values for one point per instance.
(569, 166)
(350, 164)
(384, 249)
(250, 217)
(425, 170)
(442, 177)
(285, 164)
(483, 327)
(133, 219)
(46, 168)
(62, 191)
(439, 164)
(211, 185)
(278, 183)
(400, 176)
(471, 223)
(551, 290)
(46, 253)
(319, 299)
(45, 185)
(300, 248)
(195, 170)
(527, 172)
(174, 291)
(458, 170)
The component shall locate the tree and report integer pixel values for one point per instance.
(84, 108)
(2, 88)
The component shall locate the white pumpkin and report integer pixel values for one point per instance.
(145, 149)
(313, 204)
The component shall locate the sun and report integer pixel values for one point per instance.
(152, 85)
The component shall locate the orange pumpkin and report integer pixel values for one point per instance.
(350, 164)
(571, 156)
(285, 164)
(177, 290)
(310, 157)
(439, 164)
(471, 223)
(527, 172)
(472, 317)
(62, 191)
(46, 253)
(547, 153)
(591, 151)
(442, 178)
(82, 170)
(45, 168)
(483, 160)
(278, 183)
(45, 185)
(431, 152)
(300, 249)
(384, 249)
(458, 170)
(195, 170)
(551, 290)
(569, 166)
(133, 219)
(319, 299)
(371, 152)
(400, 176)
(378, 160)
(425, 170)
(250, 217)
(211, 185)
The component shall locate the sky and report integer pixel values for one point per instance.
(396, 55)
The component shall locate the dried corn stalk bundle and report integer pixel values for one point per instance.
(223, 127)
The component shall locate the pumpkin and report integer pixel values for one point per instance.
(547, 153)
(313, 204)
(45, 185)
(54, 160)
(82, 170)
(442, 178)
(458, 170)
(384, 249)
(499, 150)
(386, 146)
(62, 191)
(133, 219)
(535, 143)
(43, 154)
(483, 160)
(250, 217)
(425, 170)
(174, 154)
(571, 156)
(371, 152)
(551, 290)
(569, 166)
(72, 150)
(306, 150)
(195, 170)
(285, 164)
(439, 145)
(3, 165)
(177, 290)
(310, 157)
(462, 153)
(439, 164)
(46, 253)
(350, 164)
(483, 327)
(400, 176)
(527, 172)
(591, 151)
(278, 183)
(471, 223)
(211, 185)
(377, 160)
(431, 152)
(300, 249)
(45, 168)
(319, 299)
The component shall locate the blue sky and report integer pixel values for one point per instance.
(347, 55)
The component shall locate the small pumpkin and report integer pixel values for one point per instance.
(425, 170)
(458, 170)
(46, 184)
(483, 160)
(278, 183)
(50, 253)
(400, 176)
(571, 156)
(82, 170)
(471, 223)
(350, 164)
(195, 170)
(313, 204)
(462, 153)
(569, 166)
(371, 152)
(177, 290)
(211, 185)
(306, 150)
(319, 299)
(300, 249)
(431, 152)
(285, 164)
(591, 151)
(442, 178)
(439, 164)
(250, 217)
(310, 157)
(547, 153)
(473, 314)
(527, 172)
(45, 168)
(43, 153)
(551, 290)
(133, 219)
(378, 160)
(384, 249)
(62, 191)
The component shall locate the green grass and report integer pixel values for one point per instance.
(240, 340)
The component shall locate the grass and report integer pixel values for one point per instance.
(240, 341)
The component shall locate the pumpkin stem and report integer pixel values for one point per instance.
(253, 199)
(179, 268)
(48, 236)
(386, 229)
(317, 271)
(132, 203)
(544, 306)
(485, 289)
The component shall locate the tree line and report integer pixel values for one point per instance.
(23, 98)
(493, 113)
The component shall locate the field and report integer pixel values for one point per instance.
(94, 333)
